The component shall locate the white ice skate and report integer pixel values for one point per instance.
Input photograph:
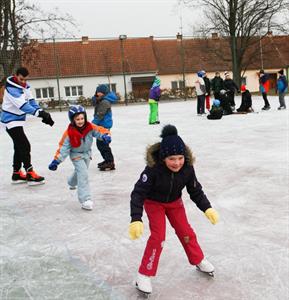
(88, 205)
(143, 284)
(206, 267)
(72, 187)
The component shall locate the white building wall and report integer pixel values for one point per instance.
(89, 84)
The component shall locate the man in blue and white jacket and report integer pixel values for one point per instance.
(17, 102)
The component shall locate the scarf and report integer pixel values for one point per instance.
(76, 134)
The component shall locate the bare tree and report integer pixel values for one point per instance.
(241, 21)
(18, 22)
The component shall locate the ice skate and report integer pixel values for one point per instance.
(143, 284)
(206, 267)
(72, 187)
(266, 107)
(281, 107)
(33, 178)
(100, 164)
(107, 166)
(18, 177)
(87, 205)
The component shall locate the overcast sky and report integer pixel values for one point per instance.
(110, 18)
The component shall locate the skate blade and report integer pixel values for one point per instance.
(18, 182)
(211, 274)
(143, 294)
(86, 208)
(33, 183)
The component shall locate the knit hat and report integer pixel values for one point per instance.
(243, 87)
(262, 72)
(281, 72)
(157, 82)
(102, 88)
(216, 102)
(171, 143)
(200, 74)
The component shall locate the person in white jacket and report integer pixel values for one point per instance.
(17, 103)
(201, 91)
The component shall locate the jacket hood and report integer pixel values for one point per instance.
(153, 157)
(111, 97)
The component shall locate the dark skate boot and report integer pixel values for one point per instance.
(33, 178)
(107, 166)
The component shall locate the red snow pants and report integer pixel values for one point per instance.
(176, 215)
(208, 102)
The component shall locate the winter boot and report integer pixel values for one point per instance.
(206, 267)
(266, 107)
(281, 107)
(100, 164)
(33, 178)
(87, 205)
(107, 166)
(143, 283)
(18, 177)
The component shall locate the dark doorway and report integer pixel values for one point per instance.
(273, 83)
(141, 86)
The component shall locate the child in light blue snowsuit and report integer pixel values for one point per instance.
(76, 142)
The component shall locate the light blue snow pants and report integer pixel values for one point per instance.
(79, 178)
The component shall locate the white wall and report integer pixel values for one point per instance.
(89, 84)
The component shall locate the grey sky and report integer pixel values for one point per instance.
(110, 18)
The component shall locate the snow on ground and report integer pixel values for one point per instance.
(51, 249)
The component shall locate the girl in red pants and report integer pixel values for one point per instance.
(169, 169)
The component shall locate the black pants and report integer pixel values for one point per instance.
(201, 104)
(217, 95)
(105, 151)
(265, 99)
(21, 148)
(231, 96)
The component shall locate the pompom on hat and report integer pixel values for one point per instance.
(172, 143)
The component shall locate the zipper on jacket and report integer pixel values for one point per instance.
(171, 186)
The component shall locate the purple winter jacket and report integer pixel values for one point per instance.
(155, 93)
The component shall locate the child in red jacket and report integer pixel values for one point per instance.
(159, 190)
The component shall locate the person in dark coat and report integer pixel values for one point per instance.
(217, 85)
(231, 87)
(208, 89)
(159, 191)
(264, 88)
(225, 102)
(216, 112)
(246, 104)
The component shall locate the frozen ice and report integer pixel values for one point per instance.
(51, 249)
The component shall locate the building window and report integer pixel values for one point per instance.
(44, 93)
(112, 87)
(244, 80)
(174, 85)
(75, 90)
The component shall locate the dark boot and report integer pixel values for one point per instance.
(107, 166)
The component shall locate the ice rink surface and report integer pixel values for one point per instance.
(51, 249)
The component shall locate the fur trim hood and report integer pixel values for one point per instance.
(152, 155)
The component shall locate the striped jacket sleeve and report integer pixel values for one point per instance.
(64, 148)
(98, 131)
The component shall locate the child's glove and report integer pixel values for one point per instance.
(212, 215)
(46, 117)
(53, 165)
(106, 138)
(135, 230)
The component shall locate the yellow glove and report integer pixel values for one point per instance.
(212, 215)
(135, 230)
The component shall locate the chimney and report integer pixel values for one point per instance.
(215, 35)
(84, 40)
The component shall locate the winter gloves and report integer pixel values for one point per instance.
(135, 230)
(106, 138)
(46, 118)
(212, 215)
(53, 165)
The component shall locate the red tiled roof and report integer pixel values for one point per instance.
(97, 57)
(143, 55)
